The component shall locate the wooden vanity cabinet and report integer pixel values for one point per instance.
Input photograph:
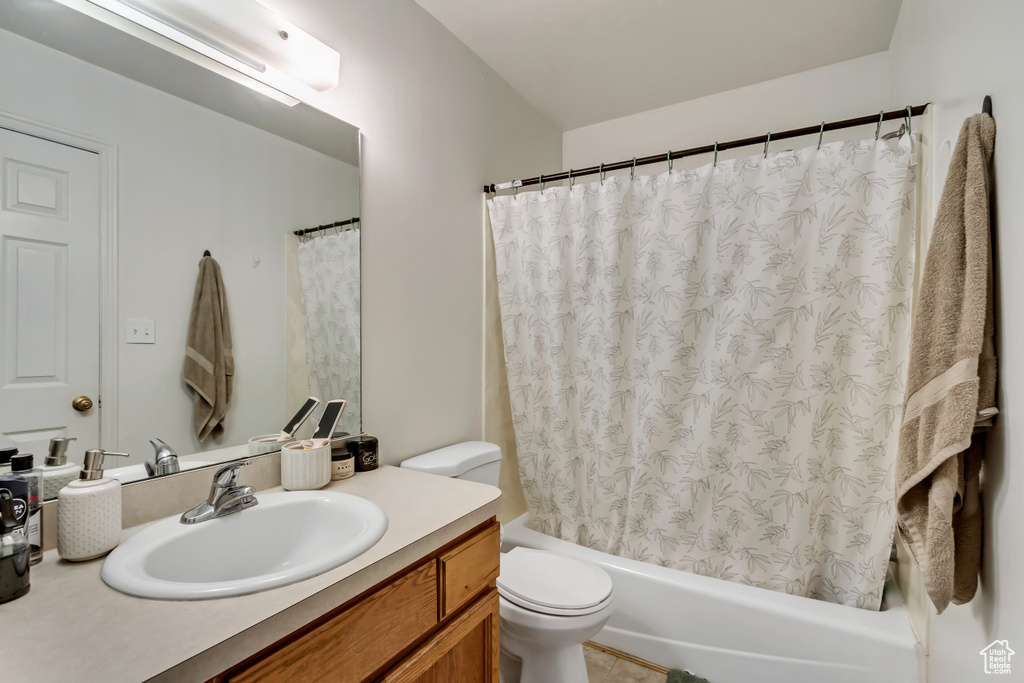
(434, 622)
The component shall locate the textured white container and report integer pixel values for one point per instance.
(268, 443)
(305, 468)
(88, 518)
(56, 477)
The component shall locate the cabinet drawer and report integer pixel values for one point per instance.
(466, 569)
(357, 642)
(464, 651)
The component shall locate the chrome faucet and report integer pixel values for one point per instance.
(225, 496)
(165, 460)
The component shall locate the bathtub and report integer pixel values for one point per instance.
(732, 633)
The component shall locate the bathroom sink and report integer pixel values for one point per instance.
(286, 538)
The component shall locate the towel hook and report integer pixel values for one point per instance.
(821, 134)
(632, 171)
(716, 155)
(600, 172)
(910, 113)
(206, 253)
(878, 128)
(668, 157)
(766, 141)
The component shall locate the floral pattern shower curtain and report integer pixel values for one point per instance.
(329, 273)
(706, 367)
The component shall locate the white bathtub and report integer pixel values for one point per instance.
(732, 633)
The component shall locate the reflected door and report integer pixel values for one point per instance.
(49, 293)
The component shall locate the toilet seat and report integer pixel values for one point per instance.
(549, 583)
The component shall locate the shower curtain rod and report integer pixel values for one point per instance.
(327, 226)
(708, 149)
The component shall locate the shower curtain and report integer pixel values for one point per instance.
(706, 367)
(329, 273)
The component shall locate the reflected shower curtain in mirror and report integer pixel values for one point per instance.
(329, 273)
(706, 367)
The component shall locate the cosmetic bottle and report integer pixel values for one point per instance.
(364, 449)
(17, 487)
(22, 466)
(89, 511)
(14, 552)
(6, 453)
(57, 471)
(343, 463)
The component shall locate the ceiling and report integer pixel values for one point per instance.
(584, 61)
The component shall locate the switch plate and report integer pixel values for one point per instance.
(140, 331)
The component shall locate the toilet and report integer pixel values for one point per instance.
(549, 604)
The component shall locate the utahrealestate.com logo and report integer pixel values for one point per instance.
(997, 657)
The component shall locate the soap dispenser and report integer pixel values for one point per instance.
(89, 511)
(57, 471)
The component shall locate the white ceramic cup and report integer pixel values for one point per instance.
(303, 468)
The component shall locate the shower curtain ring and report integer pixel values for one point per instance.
(821, 134)
(600, 172)
(910, 113)
(632, 171)
(515, 189)
(715, 164)
(878, 128)
(571, 180)
(668, 158)
(766, 141)
(541, 182)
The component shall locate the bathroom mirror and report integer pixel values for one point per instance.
(155, 159)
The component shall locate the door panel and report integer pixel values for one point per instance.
(49, 292)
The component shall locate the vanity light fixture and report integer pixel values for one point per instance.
(242, 35)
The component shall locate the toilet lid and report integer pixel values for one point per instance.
(542, 580)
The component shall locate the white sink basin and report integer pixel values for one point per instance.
(286, 538)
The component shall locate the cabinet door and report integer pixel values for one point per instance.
(464, 651)
(350, 647)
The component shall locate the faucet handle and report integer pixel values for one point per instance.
(227, 475)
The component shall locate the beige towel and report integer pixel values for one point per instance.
(209, 364)
(952, 376)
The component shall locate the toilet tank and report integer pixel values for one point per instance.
(471, 460)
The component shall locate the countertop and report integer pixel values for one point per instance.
(72, 627)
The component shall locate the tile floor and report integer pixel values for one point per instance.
(604, 667)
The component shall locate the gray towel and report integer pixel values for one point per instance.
(209, 365)
(951, 380)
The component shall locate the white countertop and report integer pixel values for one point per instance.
(73, 627)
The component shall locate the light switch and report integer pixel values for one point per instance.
(140, 331)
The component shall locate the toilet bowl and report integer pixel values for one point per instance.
(549, 604)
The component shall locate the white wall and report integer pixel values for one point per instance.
(437, 124)
(952, 54)
(189, 180)
(844, 90)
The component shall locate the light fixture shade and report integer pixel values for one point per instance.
(244, 31)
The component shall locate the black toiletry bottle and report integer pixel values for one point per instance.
(17, 486)
(14, 552)
(6, 453)
(364, 448)
(22, 466)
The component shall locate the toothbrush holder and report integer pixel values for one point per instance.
(303, 468)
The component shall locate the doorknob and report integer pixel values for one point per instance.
(81, 403)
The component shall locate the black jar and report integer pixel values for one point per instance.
(364, 448)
